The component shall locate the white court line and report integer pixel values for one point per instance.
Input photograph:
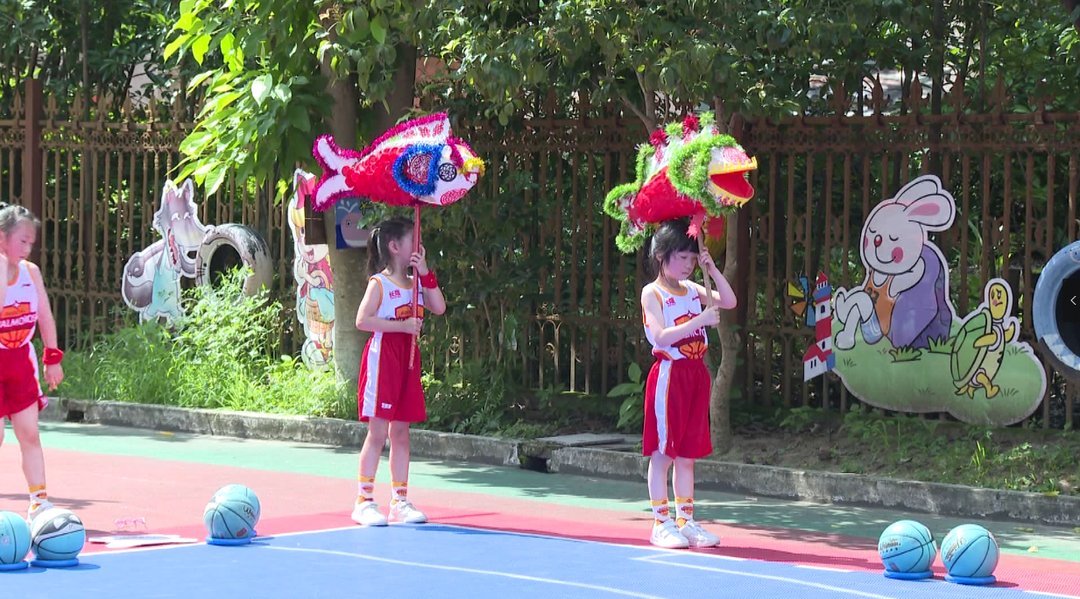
(657, 555)
(823, 568)
(659, 551)
(795, 581)
(374, 558)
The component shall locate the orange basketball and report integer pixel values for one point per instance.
(693, 350)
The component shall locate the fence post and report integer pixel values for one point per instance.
(32, 183)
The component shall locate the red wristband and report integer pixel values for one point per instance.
(53, 356)
(429, 281)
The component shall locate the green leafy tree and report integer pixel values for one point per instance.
(753, 57)
(277, 73)
(653, 58)
(72, 45)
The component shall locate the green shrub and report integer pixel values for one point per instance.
(223, 354)
(632, 409)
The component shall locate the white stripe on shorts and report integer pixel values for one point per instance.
(663, 381)
(371, 381)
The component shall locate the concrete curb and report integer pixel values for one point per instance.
(271, 427)
(767, 481)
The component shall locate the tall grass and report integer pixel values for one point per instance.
(224, 354)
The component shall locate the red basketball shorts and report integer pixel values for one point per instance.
(387, 388)
(677, 410)
(19, 386)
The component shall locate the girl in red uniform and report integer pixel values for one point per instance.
(23, 305)
(677, 391)
(390, 395)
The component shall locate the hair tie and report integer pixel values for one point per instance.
(373, 242)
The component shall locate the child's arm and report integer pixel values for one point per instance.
(3, 275)
(434, 301)
(367, 315)
(54, 373)
(654, 320)
(724, 295)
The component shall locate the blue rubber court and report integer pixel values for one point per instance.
(452, 561)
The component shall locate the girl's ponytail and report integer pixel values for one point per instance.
(391, 229)
(374, 261)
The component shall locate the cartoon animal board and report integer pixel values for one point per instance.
(350, 220)
(151, 278)
(979, 346)
(314, 280)
(900, 345)
(905, 295)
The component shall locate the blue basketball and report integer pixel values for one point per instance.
(244, 493)
(230, 517)
(906, 546)
(57, 535)
(14, 538)
(969, 551)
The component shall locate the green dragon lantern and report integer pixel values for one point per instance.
(688, 169)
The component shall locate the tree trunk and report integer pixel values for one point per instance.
(727, 373)
(347, 264)
(1070, 6)
(724, 381)
(350, 265)
(400, 100)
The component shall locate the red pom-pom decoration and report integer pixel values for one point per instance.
(691, 124)
(658, 138)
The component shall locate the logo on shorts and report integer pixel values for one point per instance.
(387, 406)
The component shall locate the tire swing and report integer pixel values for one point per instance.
(230, 246)
(1057, 310)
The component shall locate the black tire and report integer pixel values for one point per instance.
(229, 246)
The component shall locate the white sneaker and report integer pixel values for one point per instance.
(698, 536)
(405, 512)
(368, 514)
(37, 508)
(665, 534)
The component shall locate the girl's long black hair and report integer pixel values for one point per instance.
(670, 238)
(391, 229)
